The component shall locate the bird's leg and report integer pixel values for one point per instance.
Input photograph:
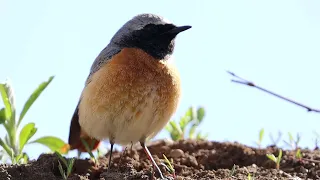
(146, 150)
(110, 156)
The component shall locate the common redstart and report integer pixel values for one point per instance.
(133, 88)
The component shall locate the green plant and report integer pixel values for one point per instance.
(191, 119)
(233, 170)
(292, 142)
(275, 159)
(89, 150)
(275, 141)
(14, 141)
(250, 177)
(298, 154)
(261, 134)
(69, 165)
(168, 165)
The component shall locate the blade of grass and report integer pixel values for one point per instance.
(89, 150)
(62, 158)
(70, 166)
(36, 93)
(272, 157)
(63, 174)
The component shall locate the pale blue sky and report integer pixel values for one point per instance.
(274, 43)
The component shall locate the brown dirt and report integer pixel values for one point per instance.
(192, 160)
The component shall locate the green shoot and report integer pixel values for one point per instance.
(14, 141)
(261, 134)
(298, 154)
(277, 140)
(190, 121)
(276, 160)
(89, 150)
(68, 164)
(250, 177)
(168, 165)
(294, 144)
(233, 171)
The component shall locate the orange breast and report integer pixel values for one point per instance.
(130, 98)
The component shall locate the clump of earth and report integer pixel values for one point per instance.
(192, 159)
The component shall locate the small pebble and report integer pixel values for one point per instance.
(176, 153)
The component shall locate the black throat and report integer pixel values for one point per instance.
(153, 39)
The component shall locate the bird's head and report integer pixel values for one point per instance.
(149, 32)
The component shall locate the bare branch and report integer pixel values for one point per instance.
(251, 84)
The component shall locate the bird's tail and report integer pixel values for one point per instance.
(91, 142)
(76, 134)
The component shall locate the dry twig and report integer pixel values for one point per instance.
(251, 84)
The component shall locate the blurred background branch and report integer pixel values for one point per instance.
(251, 84)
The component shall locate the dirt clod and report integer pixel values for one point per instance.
(192, 160)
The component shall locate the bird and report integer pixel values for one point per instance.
(133, 88)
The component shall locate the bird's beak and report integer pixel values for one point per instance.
(178, 30)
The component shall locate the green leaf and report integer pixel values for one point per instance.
(298, 154)
(183, 123)
(175, 135)
(70, 166)
(189, 115)
(279, 157)
(7, 140)
(272, 157)
(199, 136)
(2, 115)
(25, 158)
(53, 143)
(62, 171)
(200, 114)
(169, 163)
(5, 147)
(89, 149)
(7, 94)
(36, 93)
(62, 158)
(25, 134)
(261, 135)
(168, 128)
(192, 131)
(175, 127)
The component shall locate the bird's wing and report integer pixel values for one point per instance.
(76, 133)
